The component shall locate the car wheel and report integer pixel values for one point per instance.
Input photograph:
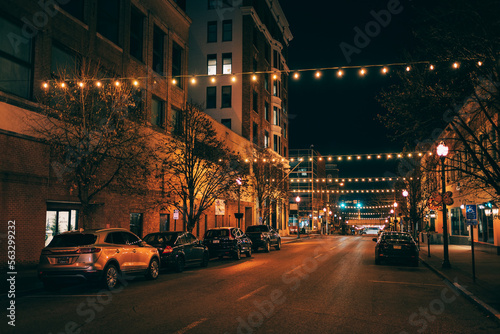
(249, 252)
(278, 246)
(237, 254)
(267, 247)
(180, 264)
(153, 269)
(204, 259)
(110, 277)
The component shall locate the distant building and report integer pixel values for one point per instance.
(238, 60)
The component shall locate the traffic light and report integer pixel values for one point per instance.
(342, 205)
(359, 205)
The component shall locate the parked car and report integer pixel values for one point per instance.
(101, 255)
(178, 249)
(227, 241)
(396, 246)
(263, 236)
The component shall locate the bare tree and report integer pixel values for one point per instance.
(270, 181)
(94, 144)
(198, 167)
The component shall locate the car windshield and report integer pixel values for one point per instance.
(397, 237)
(217, 233)
(73, 240)
(257, 228)
(167, 238)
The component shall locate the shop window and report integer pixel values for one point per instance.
(59, 221)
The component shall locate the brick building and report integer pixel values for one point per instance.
(146, 40)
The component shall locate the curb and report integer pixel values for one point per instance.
(467, 294)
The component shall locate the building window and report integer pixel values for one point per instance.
(276, 116)
(63, 61)
(212, 32)
(284, 151)
(276, 57)
(266, 111)
(136, 33)
(275, 88)
(275, 143)
(158, 43)
(177, 63)
(227, 63)
(16, 61)
(284, 130)
(266, 81)
(255, 102)
(255, 133)
(157, 112)
(227, 3)
(212, 4)
(255, 65)
(226, 97)
(211, 97)
(226, 122)
(227, 30)
(266, 139)
(255, 35)
(75, 8)
(108, 19)
(267, 52)
(136, 223)
(212, 64)
(176, 121)
(164, 222)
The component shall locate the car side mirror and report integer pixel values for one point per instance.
(374, 239)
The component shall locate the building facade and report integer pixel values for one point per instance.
(238, 68)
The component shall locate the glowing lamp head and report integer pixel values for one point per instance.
(405, 193)
(442, 150)
(297, 199)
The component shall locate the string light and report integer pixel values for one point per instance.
(318, 74)
(479, 63)
(193, 80)
(174, 81)
(117, 83)
(408, 68)
(431, 67)
(296, 75)
(254, 77)
(212, 79)
(340, 73)
(385, 70)
(45, 85)
(63, 85)
(81, 84)
(456, 65)
(362, 71)
(233, 79)
(98, 84)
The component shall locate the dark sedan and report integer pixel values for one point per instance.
(178, 249)
(398, 246)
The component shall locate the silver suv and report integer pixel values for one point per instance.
(101, 255)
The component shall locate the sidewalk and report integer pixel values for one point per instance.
(485, 291)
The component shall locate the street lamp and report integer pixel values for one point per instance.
(395, 205)
(324, 218)
(297, 200)
(442, 151)
(239, 215)
(405, 195)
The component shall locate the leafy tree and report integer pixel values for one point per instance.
(198, 167)
(94, 144)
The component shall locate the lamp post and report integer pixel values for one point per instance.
(324, 219)
(405, 195)
(442, 152)
(297, 200)
(329, 220)
(239, 215)
(395, 219)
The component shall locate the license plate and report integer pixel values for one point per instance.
(396, 247)
(63, 260)
(216, 241)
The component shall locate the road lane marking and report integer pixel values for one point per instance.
(291, 271)
(253, 292)
(406, 283)
(191, 326)
(318, 256)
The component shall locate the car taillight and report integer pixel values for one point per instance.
(87, 250)
(262, 236)
(231, 237)
(168, 250)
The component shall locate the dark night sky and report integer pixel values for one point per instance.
(337, 116)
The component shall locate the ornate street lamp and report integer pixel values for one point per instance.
(442, 151)
(297, 200)
(239, 215)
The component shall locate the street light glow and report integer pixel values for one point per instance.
(442, 150)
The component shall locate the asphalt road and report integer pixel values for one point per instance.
(319, 285)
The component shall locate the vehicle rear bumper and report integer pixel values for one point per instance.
(70, 275)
